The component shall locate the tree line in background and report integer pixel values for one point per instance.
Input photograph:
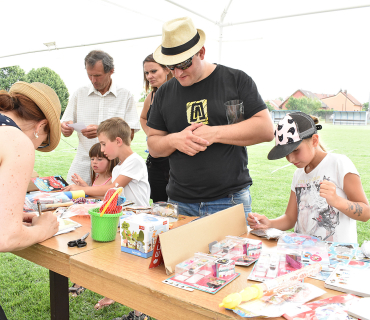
(10, 75)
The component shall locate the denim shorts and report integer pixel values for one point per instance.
(202, 209)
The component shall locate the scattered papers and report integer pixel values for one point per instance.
(67, 225)
(78, 126)
(325, 309)
(282, 302)
(360, 309)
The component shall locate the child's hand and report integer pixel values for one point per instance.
(263, 222)
(77, 180)
(328, 191)
(72, 187)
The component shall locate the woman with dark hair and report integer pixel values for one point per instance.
(29, 120)
(155, 75)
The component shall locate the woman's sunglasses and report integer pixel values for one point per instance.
(182, 65)
(45, 143)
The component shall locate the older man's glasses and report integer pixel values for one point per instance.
(46, 143)
(182, 65)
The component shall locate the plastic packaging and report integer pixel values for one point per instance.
(270, 286)
(166, 210)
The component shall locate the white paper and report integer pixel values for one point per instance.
(77, 126)
(67, 225)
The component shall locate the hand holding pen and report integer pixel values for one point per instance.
(258, 221)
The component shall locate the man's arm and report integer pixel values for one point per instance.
(259, 128)
(163, 144)
(68, 116)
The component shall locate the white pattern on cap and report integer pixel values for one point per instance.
(286, 131)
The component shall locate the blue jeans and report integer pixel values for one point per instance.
(202, 209)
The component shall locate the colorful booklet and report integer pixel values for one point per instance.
(203, 281)
(349, 279)
(325, 309)
(52, 183)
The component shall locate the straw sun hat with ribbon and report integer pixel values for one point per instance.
(47, 100)
(180, 41)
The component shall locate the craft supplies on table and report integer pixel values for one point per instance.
(325, 309)
(269, 287)
(270, 233)
(283, 301)
(166, 209)
(242, 250)
(51, 183)
(139, 233)
(349, 279)
(205, 273)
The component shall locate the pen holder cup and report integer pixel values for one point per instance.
(104, 229)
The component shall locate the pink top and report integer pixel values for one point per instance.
(94, 185)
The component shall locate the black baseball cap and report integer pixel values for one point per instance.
(290, 132)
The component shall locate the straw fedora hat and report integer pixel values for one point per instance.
(180, 41)
(47, 100)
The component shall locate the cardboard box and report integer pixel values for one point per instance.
(139, 233)
(181, 243)
(31, 185)
(224, 267)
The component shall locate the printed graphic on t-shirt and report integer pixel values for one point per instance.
(315, 216)
(197, 111)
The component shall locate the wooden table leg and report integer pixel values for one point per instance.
(59, 299)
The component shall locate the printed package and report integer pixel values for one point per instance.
(139, 233)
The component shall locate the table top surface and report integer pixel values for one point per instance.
(126, 278)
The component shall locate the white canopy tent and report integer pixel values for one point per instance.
(284, 45)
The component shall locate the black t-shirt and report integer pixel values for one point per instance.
(222, 168)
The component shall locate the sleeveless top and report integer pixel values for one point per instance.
(95, 185)
(6, 121)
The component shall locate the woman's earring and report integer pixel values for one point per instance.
(36, 135)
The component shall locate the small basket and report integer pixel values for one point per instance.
(104, 229)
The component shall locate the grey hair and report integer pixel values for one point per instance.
(98, 55)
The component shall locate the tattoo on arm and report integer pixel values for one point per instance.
(354, 206)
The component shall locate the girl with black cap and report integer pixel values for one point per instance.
(326, 195)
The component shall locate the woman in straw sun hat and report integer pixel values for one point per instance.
(29, 120)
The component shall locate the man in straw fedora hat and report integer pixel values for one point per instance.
(188, 123)
(102, 100)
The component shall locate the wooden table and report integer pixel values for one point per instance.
(126, 278)
(54, 254)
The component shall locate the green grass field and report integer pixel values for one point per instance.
(24, 286)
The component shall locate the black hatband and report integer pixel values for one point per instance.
(180, 49)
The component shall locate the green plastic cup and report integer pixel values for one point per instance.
(104, 229)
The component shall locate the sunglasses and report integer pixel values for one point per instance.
(182, 65)
(45, 143)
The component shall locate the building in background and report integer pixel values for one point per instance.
(305, 93)
(343, 101)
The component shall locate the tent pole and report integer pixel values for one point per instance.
(294, 15)
(220, 24)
